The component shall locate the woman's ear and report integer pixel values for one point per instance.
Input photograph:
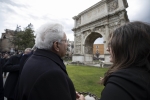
(56, 47)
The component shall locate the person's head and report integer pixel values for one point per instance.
(51, 36)
(130, 45)
(6, 55)
(27, 50)
(20, 52)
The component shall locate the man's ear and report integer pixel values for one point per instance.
(56, 46)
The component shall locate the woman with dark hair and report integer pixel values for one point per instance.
(129, 76)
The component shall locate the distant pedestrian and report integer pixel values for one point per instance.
(13, 67)
(3, 61)
(1, 83)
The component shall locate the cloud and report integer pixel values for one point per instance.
(38, 12)
(10, 14)
(139, 10)
(10, 2)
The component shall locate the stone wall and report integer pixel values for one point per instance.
(6, 41)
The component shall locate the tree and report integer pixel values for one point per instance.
(24, 39)
(28, 37)
(17, 40)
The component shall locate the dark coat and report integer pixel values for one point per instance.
(12, 66)
(128, 84)
(1, 84)
(3, 61)
(22, 62)
(44, 77)
(0, 62)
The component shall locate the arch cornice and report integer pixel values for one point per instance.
(104, 18)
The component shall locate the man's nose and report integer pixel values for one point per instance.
(107, 49)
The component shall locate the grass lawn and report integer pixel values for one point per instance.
(86, 78)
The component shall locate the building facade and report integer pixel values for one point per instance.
(98, 48)
(6, 44)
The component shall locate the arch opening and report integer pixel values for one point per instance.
(89, 43)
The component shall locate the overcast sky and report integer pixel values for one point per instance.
(38, 12)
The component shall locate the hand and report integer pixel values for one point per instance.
(101, 78)
(79, 96)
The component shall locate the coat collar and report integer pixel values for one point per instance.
(53, 56)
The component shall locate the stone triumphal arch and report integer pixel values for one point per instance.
(97, 21)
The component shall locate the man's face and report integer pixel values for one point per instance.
(63, 46)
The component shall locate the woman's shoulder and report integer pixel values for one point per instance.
(131, 77)
(132, 80)
(132, 74)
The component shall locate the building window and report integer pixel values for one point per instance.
(97, 46)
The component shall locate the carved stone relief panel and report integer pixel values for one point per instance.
(78, 38)
(112, 5)
(78, 49)
(85, 33)
(79, 21)
(89, 14)
(114, 18)
(100, 29)
(121, 15)
(114, 25)
(101, 9)
(94, 24)
(77, 31)
(93, 14)
(88, 49)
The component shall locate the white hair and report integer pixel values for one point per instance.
(47, 34)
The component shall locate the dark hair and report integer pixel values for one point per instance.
(130, 45)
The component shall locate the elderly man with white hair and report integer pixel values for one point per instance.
(44, 75)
